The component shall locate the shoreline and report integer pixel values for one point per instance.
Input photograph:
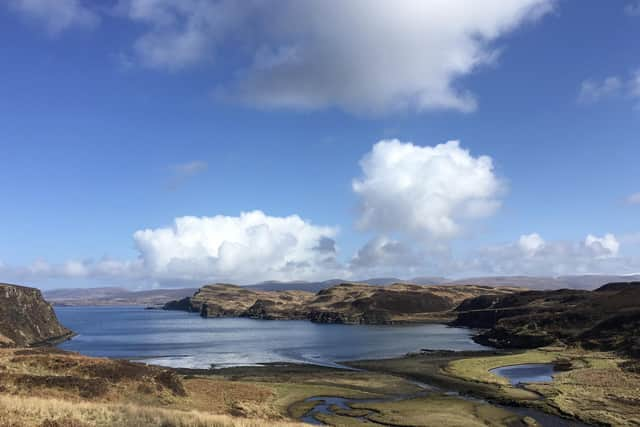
(442, 382)
(380, 387)
(588, 398)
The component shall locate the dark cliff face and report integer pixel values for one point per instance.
(183, 304)
(26, 319)
(606, 319)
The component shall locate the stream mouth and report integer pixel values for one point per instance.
(340, 406)
(330, 405)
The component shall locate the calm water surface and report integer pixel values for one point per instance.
(180, 339)
(526, 373)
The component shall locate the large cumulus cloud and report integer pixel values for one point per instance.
(363, 56)
(428, 191)
(250, 247)
(533, 255)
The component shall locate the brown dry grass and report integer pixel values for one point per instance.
(51, 388)
(117, 391)
(20, 411)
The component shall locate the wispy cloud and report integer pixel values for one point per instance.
(593, 91)
(183, 171)
(632, 8)
(634, 199)
(56, 15)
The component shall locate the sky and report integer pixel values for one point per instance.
(156, 143)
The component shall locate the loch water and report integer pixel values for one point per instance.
(181, 339)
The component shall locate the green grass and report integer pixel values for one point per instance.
(478, 368)
(438, 410)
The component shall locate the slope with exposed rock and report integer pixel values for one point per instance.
(605, 319)
(348, 303)
(356, 303)
(224, 300)
(26, 319)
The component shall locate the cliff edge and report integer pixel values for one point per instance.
(26, 319)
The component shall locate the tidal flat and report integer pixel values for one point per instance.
(52, 387)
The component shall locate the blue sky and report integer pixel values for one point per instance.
(116, 118)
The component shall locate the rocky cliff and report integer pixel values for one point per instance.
(26, 319)
(225, 300)
(348, 303)
(606, 319)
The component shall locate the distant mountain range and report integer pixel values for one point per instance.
(121, 296)
(587, 281)
(108, 296)
(300, 285)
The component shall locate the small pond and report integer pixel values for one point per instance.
(527, 373)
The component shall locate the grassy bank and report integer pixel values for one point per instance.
(595, 387)
(50, 388)
(50, 412)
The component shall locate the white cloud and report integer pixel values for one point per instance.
(57, 15)
(184, 171)
(75, 269)
(605, 246)
(592, 91)
(249, 247)
(531, 243)
(424, 191)
(634, 199)
(366, 57)
(254, 247)
(382, 252)
(592, 255)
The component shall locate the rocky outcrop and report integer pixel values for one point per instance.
(367, 317)
(606, 319)
(183, 304)
(225, 300)
(356, 303)
(275, 309)
(347, 303)
(26, 319)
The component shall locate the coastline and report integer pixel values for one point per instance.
(431, 365)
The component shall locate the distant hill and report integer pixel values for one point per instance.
(349, 303)
(121, 296)
(108, 296)
(300, 285)
(296, 285)
(587, 281)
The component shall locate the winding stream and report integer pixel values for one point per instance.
(334, 405)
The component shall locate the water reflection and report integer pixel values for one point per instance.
(180, 339)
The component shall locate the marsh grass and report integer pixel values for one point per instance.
(596, 388)
(478, 368)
